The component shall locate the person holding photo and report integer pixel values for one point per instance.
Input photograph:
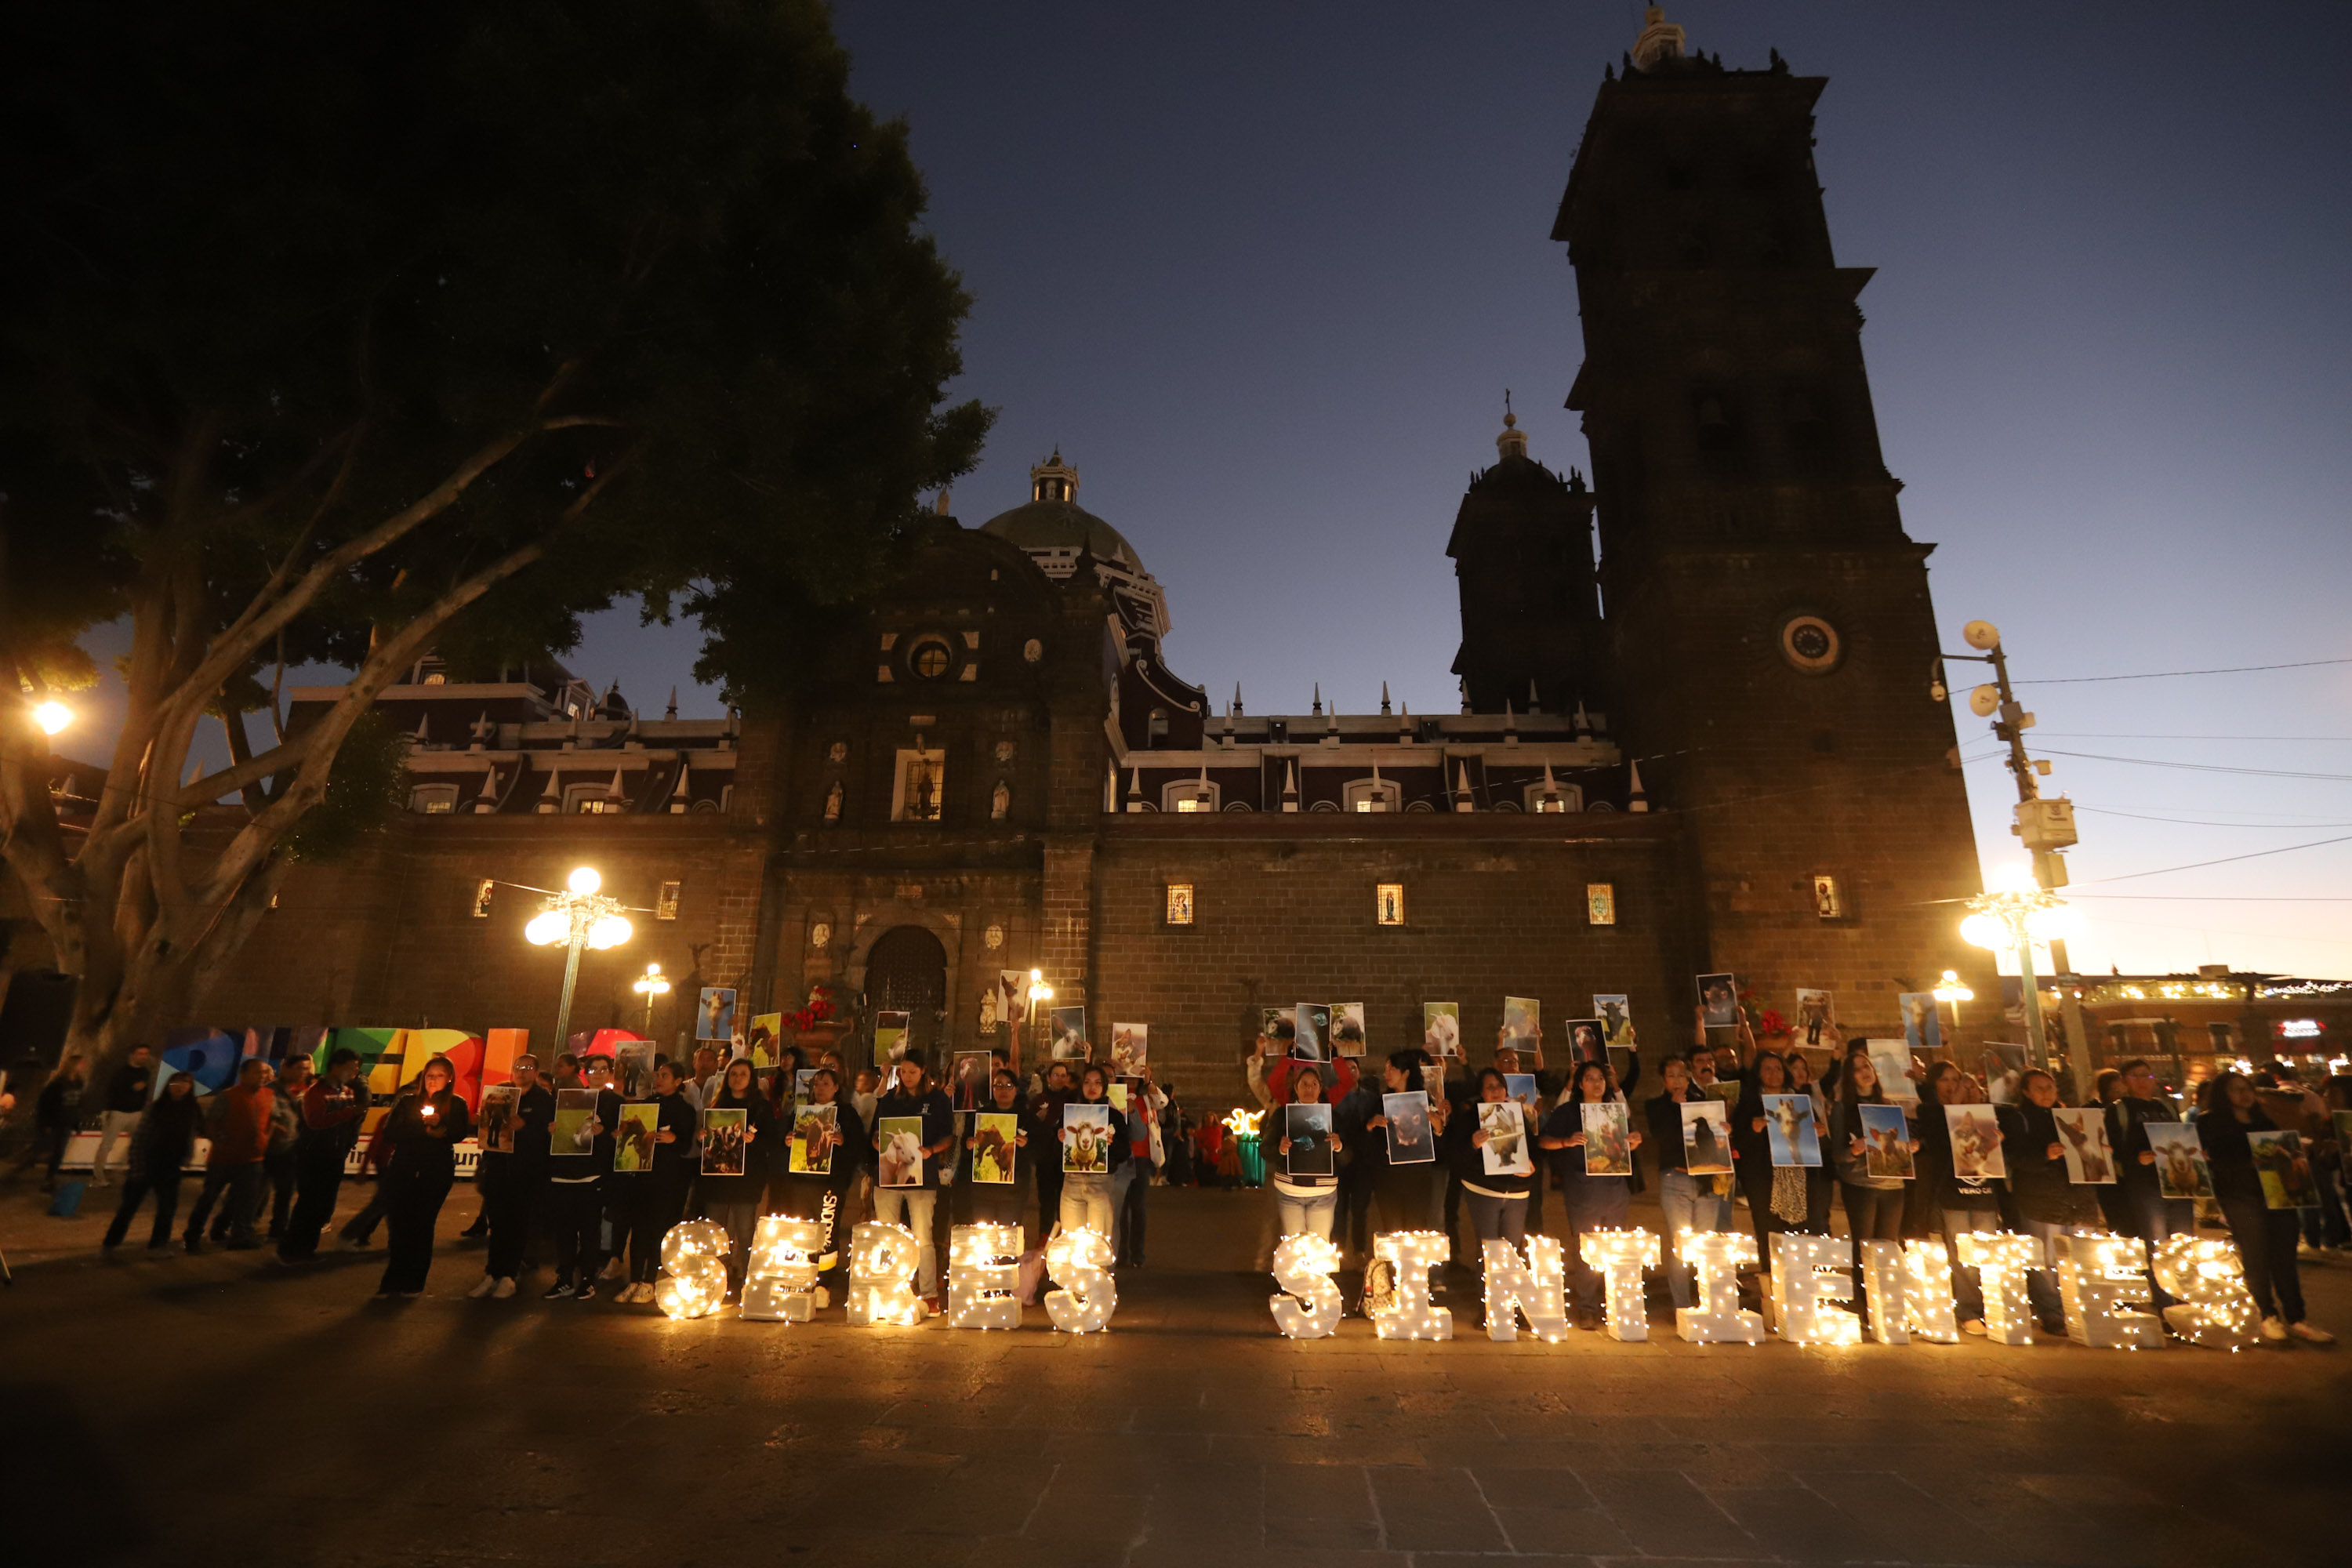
(2049, 1203)
(660, 1189)
(1777, 1198)
(579, 1164)
(734, 1201)
(432, 1120)
(1874, 1205)
(1496, 1201)
(1687, 1201)
(2265, 1237)
(1130, 1180)
(1056, 1090)
(1307, 1204)
(1964, 1204)
(1000, 1203)
(823, 1196)
(912, 1094)
(1731, 1051)
(1086, 1195)
(518, 1189)
(1405, 1193)
(1821, 1180)
(1593, 1202)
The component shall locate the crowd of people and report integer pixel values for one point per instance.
(1947, 1196)
(809, 1143)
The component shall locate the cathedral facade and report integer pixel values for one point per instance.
(1739, 767)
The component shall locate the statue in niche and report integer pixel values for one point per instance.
(988, 1011)
(833, 802)
(1000, 801)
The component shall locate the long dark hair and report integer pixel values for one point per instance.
(1752, 1090)
(1609, 1090)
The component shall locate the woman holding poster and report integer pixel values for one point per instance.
(989, 1178)
(1487, 1147)
(730, 1188)
(2265, 1236)
(1585, 1167)
(1687, 1202)
(912, 1095)
(1303, 1200)
(1777, 1198)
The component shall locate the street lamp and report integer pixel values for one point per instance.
(579, 917)
(1950, 989)
(649, 985)
(2011, 917)
(52, 717)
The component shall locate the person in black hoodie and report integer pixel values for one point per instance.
(166, 1133)
(2048, 1202)
(126, 1100)
(431, 1121)
(1874, 1205)
(842, 1147)
(1594, 1202)
(660, 1190)
(1496, 1201)
(734, 1201)
(2265, 1236)
(1000, 1203)
(578, 1166)
(1964, 1203)
(56, 1111)
(514, 1182)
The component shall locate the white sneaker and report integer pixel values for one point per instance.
(502, 1290)
(2315, 1336)
(2274, 1329)
(482, 1288)
(639, 1293)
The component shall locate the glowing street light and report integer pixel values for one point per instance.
(649, 985)
(581, 917)
(52, 717)
(2010, 917)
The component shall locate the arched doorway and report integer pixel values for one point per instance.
(906, 972)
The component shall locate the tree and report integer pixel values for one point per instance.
(349, 331)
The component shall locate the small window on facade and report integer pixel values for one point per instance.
(1373, 795)
(915, 794)
(1190, 795)
(1554, 797)
(666, 906)
(591, 800)
(482, 892)
(1159, 727)
(930, 658)
(1601, 903)
(434, 800)
(1179, 904)
(1828, 902)
(1388, 903)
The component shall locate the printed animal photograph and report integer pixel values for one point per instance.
(714, 1018)
(1607, 1138)
(994, 1146)
(1069, 1034)
(1279, 1026)
(968, 1080)
(2083, 1137)
(1433, 1081)
(898, 1143)
(1085, 1139)
(2181, 1173)
(1789, 1129)
(815, 1130)
(1718, 1001)
(1887, 1143)
(1977, 1153)
(2003, 1067)
(1505, 1152)
(1440, 1029)
(1407, 1115)
(1923, 1028)
(1893, 1059)
(723, 1149)
(632, 1069)
(1706, 1137)
(890, 1036)
(764, 1038)
(1588, 1041)
(1522, 1016)
(804, 1080)
(1347, 1028)
(1308, 1128)
(1816, 1010)
(1616, 1019)
(1521, 1086)
(570, 1135)
(496, 1124)
(2281, 1160)
(1311, 1022)
(1130, 1047)
(633, 1140)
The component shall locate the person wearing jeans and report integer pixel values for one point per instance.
(1594, 1202)
(1497, 1200)
(1086, 1194)
(240, 1125)
(1688, 1202)
(914, 1204)
(126, 1099)
(1305, 1201)
(2146, 1213)
(2265, 1236)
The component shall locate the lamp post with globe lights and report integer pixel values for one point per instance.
(2010, 917)
(649, 985)
(578, 917)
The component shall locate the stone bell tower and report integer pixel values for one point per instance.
(1770, 621)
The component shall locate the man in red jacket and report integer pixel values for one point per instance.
(238, 1126)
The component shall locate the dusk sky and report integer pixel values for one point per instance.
(1265, 272)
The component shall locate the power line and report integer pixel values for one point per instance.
(2228, 897)
(2200, 767)
(2203, 822)
(2113, 735)
(2170, 674)
(2224, 860)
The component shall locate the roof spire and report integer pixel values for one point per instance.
(1237, 697)
(1660, 39)
(671, 711)
(1053, 479)
(1513, 441)
(1462, 801)
(1384, 696)
(1637, 799)
(1318, 696)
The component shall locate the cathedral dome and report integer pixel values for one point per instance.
(1053, 522)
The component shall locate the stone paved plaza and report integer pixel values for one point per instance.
(218, 1410)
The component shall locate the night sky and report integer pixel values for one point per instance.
(1264, 271)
